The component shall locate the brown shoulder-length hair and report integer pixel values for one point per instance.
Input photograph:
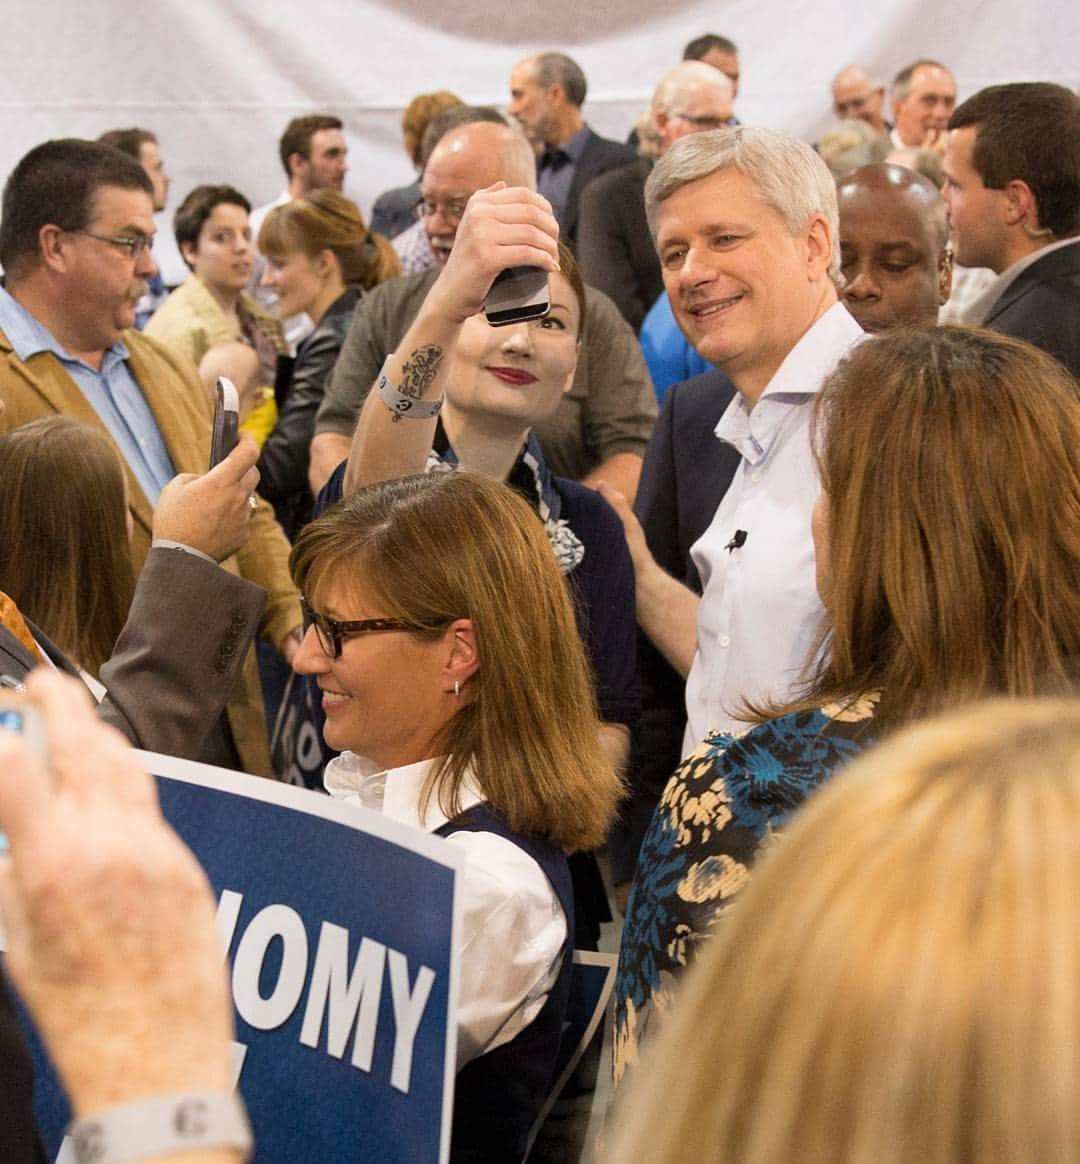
(65, 557)
(325, 220)
(950, 463)
(430, 549)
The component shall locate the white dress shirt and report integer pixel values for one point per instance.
(760, 615)
(514, 929)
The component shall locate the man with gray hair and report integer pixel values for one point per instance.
(745, 223)
(603, 423)
(856, 93)
(923, 96)
(547, 92)
(615, 248)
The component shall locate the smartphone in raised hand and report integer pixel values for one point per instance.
(226, 431)
(518, 293)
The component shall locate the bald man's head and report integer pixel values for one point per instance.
(894, 258)
(468, 159)
(856, 93)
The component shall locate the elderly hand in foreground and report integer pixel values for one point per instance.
(503, 226)
(211, 512)
(109, 918)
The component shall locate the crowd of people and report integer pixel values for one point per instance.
(787, 470)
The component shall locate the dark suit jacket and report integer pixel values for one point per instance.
(1042, 306)
(686, 473)
(167, 686)
(600, 155)
(393, 210)
(614, 247)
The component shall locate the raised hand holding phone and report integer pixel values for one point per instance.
(504, 228)
(211, 513)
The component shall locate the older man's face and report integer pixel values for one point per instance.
(923, 115)
(855, 96)
(103, 280)
(708, 107)
(742, 286)
(455, 171)
(530, 104)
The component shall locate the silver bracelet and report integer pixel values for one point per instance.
(400, 404)
(162, 1123)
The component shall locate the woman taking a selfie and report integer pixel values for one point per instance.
(474, 391)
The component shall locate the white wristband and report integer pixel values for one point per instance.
(160, 1124)
(400, 404)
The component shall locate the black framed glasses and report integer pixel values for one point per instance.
(135, 246)
(332, 632)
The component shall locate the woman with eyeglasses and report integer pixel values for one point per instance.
(212, 307)
(320, 259)
(444, 645)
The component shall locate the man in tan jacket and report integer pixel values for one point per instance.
(75, 234)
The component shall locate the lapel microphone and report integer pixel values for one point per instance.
(737, 542)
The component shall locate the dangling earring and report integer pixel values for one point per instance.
(457, 688)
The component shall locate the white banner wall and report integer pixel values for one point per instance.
(218, 79)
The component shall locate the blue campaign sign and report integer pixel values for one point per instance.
(340, 928)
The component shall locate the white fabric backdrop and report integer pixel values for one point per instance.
(218, 79)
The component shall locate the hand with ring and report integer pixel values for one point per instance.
(212, 512)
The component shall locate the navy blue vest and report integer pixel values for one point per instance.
(498, 1096)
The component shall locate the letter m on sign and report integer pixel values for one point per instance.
(349, 998)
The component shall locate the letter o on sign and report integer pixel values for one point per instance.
(275, 921)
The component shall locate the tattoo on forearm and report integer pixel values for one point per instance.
(419, 370)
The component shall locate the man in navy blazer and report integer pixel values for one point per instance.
(1012, 188)
(546, 95)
